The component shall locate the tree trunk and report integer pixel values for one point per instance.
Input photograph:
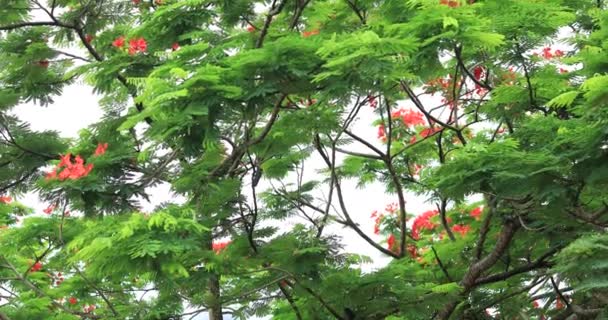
(215, 309)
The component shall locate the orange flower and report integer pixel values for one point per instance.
(219, 246)
(307, 34)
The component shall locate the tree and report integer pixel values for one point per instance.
(478, 111)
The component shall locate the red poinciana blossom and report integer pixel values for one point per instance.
(175, 46)
(43, 63)
(390, 242)
(307, 34)
(73, 300)
(250, 28)
(70, 170)
(137, 45)
(478, 72)
(476, 213)
(450, 3)
(372, 101)
(412, 250)
(49, 209)
(429, 131)
(5, 199)
(119, 42)
(101, 149)
(88, 38)
(36, 267)
(136, 2)
(462, 229)
(422, 222)
(381, 132)
(413, 118)
(220, 245)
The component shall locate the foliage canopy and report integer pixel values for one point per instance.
(492, 111)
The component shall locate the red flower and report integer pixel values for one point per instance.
(119, 42)
(71, 170)
(429, 131)
(377, 223)
(307, 34)
(412, 250)
(101, 149)
(73, 300)
(562, 70)
(478, 72)
(5, 199)
(381, 132)
(65, 161)
(43, 63)
(559, 304)
(51, 174)
(547, 53)
(462, 229)
(49, 209)
(422, 222)
(558, 53)
(250, 28)
(475, 213)
(175, 46)
(137, 45)
(219, 246)
(390, 242)
(372, 101)
(450, 3)
(136, 2)
(413, 118)
(88, 38)
(374, 214)
(89, 309)
(36, 267)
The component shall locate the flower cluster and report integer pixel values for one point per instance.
(89, 308)
(462, 229)
(58, 278)
(450, 3)
(70, 170)
(5, 199)
(49, 209)
(307, 34)
(476, 213)
(36, 267)
(101, 149)
(547, 54)
(410, 118)
(423, 222)
(135, 45)
(372, 101)
(219, 246)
